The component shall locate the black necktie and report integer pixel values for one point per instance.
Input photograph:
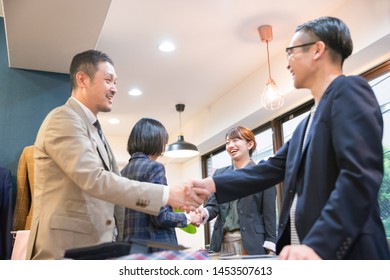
(99, 129)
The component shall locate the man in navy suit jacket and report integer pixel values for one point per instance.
(338, 171)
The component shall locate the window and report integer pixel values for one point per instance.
(264, 147)
(379, 79)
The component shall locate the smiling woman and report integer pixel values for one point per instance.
(246, 226)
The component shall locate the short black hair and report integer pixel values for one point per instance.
(88, 62)
(148, 136)
(333, 32)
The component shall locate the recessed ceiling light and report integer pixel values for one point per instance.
(114, 121)
(166, 47)
(135, 92)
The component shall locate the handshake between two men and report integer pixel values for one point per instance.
(190, 195)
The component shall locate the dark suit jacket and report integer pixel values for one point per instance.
(337, 176)
(6, 212)
(257, 218)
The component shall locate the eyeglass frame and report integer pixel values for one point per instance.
(289, 49)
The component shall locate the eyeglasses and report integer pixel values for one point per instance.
(289, 50)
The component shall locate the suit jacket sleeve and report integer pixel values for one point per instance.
(212, 203)
(212, 207)
(269, 214)
(255, 178)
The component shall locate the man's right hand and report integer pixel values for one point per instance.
(198, 185)
(187, 198)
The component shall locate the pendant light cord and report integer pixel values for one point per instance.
(269, 65)
(181, 133)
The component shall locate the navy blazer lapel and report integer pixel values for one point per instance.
(302, 135)
(295, 155)
(301, 129)
(316, 116)
(309, 133)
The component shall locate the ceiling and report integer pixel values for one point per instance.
(217, 46)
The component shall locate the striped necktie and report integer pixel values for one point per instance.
(293, 233)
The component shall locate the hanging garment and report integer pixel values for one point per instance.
(25, 190)
(5, 214)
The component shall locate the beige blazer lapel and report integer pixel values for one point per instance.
(103, 152)
(113, 164)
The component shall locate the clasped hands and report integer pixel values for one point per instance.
(191, 194)
(197, 217)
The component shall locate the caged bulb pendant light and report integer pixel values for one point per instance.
(271, 99)
(181, 148)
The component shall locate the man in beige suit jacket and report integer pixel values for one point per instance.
(77, 181)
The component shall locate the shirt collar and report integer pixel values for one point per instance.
(88, 112)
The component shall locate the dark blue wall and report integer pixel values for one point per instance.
(25, 99)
